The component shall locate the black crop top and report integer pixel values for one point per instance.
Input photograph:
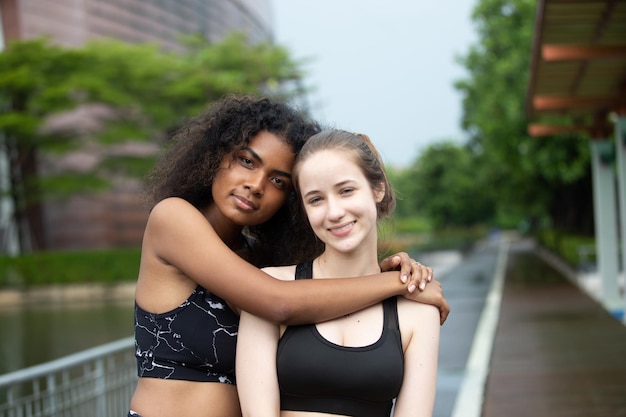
(196, 341)
(317, 375)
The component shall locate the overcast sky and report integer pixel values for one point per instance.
(385, 68)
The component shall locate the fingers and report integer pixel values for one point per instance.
(401, 260)
(444, 307)
(412, 272)
(421, 274)
(444, 310)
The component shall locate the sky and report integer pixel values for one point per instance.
(385, 68)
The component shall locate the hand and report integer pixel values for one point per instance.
(419, 274)
(433, 295)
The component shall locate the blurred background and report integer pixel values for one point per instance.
(450, 92)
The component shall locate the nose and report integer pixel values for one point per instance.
(255, 183)
(336, 210)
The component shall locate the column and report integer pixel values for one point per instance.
(605, 217)
(620, 150)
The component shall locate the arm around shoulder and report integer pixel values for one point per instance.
(180, 236)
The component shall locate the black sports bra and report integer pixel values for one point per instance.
(196, 341)
(317, 375)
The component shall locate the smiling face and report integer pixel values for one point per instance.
(253, 184)
(339, 201)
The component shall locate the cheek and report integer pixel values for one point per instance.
(274, 200)
(222, 176)
(217, 185)
(315, 216)
(373, 212)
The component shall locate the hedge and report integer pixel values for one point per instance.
(69, 267)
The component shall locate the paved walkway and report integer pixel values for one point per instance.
(557, 352)
(523, 340)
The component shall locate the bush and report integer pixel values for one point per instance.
(414, 235)
(577, 251)
(70, 267)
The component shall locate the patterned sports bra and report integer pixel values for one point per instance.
(196, 341)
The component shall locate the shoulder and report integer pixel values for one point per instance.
(284, 273)
(174, 211)
(418, 323)
(176, 223)
(170, 205)
(414, 314)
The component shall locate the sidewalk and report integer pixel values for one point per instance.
(463, 359)
(524, 339)
(557, 351)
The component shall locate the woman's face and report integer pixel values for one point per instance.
(339, 201)
(250, 188)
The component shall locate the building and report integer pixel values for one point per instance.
(117, 218)
(71, 22)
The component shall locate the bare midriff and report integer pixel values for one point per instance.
(307, 414)
(165, 397)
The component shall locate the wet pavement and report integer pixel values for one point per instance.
(523, 340)
(466, 284)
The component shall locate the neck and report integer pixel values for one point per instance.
(228, 232)
(333, 264)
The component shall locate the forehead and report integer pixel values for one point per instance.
(272, 150)
(329, 167)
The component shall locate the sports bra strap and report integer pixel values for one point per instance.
(304, 270)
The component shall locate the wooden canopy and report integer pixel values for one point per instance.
(578, 67)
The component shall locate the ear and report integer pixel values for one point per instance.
(379, 192)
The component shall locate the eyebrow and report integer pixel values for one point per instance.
(338, 185)
(258, 158)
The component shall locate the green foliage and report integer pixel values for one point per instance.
(109, 93)
(127, 165)
(445, 186)
(44, 268)
(413, 224)
(402, 184)
(527, 177)
(501, 177)
(65, 185)
(577, 251)
(416, 234)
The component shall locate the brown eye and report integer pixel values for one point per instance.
(245, 161)
(280, 183)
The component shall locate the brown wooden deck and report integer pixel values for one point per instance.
(556, 352)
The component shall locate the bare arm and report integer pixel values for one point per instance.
(257, 382)
(177, 234)
(419, 386)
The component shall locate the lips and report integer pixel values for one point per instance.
(342, 230)
(245, 204)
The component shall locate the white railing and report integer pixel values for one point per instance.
(96, 382)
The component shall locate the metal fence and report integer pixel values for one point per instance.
(96, 382)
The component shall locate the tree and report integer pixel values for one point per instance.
(541, 179)
(108, 93)
(446, 187)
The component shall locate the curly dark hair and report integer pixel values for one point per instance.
(190, 161)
